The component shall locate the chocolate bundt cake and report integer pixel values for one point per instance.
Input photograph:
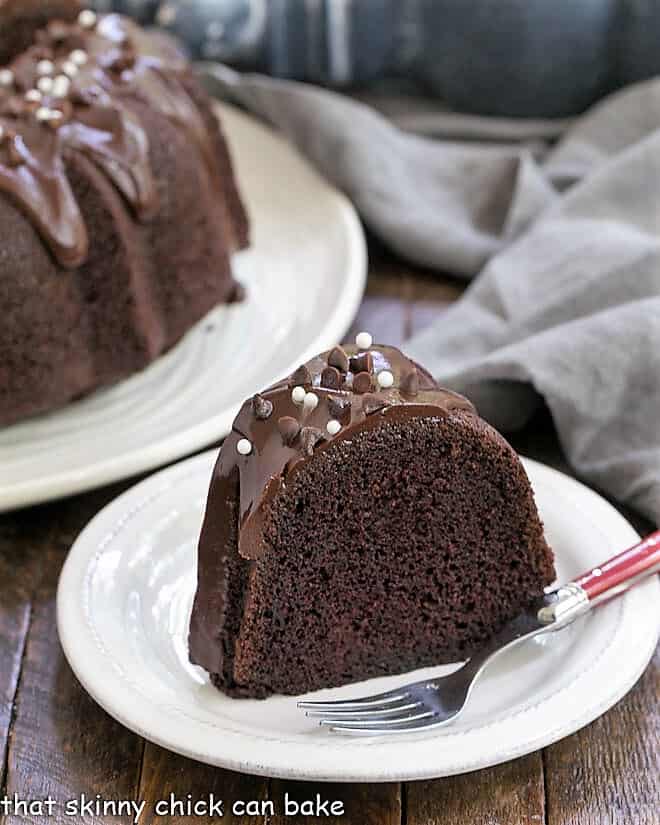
(361, 521)
(118, 206)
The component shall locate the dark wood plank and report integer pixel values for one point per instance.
(386, 276)
(427, 291)
(609, 772)
(399, 302)
(428, 299)
(19, 571)
(62, 744)
(389, 275)
(367, 804)
(384, 317)
(167, 776)
(506, 794)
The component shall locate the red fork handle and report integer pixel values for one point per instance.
(621, 572)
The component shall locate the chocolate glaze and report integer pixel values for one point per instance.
(281, 445)
(96, 116)
(274, 457)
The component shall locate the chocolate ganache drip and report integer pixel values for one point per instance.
(71, 91)
(331, 397)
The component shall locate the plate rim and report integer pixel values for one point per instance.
(72, 625)
(172, 447)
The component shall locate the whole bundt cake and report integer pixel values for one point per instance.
(361, 521)
(118, 206)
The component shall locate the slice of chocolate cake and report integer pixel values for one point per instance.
(361, 521)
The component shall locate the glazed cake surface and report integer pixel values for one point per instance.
(361, 521)
(118, 206)
(19, 19)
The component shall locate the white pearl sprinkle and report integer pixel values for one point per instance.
(6, 77)
(69, 68)
(78, 56)
(298, 395)
(87, 19)
(33, 96)
(45, 85)
(364, 340)
(333, 426)
(46, 115)
(311, 401)
(45, 67)
(243, 446)
(385, 379)
(61, 86)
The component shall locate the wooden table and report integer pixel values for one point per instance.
(55, 740)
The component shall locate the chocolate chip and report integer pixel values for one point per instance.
(338, 358)
(301, 376)
(331, 378)
(362, 363)
(309, 438)
(373, 403)
(237, 294)
(410, 383)
(362, 383)
(340, 408)
(261, 407)
(289, 429)
(58, 31)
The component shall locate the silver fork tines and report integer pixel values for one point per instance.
(393, 712)
(376, 724)
(370, 713)
(422, 705)
(379, 702)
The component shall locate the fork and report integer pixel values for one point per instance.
(432, 703)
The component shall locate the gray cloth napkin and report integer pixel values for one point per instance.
(565, 240)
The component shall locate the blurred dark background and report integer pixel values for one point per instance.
(519, 58)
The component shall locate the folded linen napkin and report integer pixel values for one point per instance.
(565, 241)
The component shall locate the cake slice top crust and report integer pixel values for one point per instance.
(325, 400)
(68, 92)
(361, 521)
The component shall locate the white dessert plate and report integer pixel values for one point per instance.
(305, 274)
(123, 605)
